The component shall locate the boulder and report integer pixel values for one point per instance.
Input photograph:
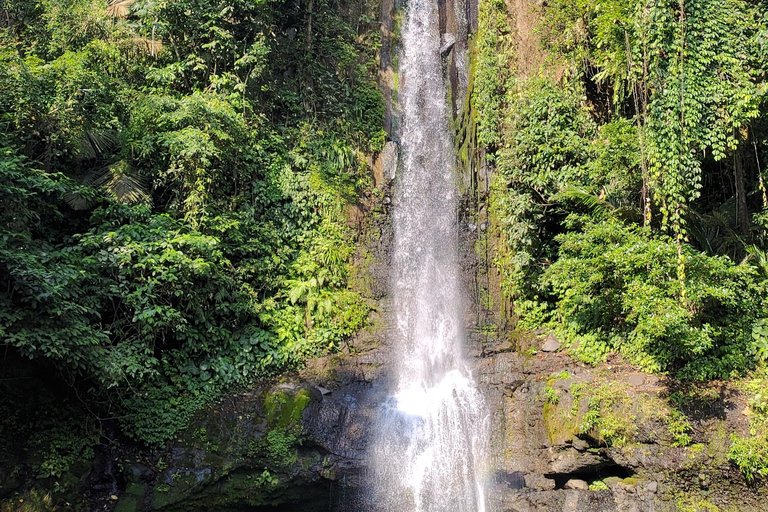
(551, 344)
(571, 461)
(539, 482)
(575, 483)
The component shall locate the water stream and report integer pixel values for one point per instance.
(429, 450)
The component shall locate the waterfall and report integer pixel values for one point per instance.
(429, 450)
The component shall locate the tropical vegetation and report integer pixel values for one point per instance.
(175, 180)
(629, 207)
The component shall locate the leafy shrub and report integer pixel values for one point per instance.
(616, 288)
(750, 455)
(608, 418)
(195, 237)
(281, 448)
(759, 345)
(548, 147)
(609, 140)
(155, 415)
(679, 428)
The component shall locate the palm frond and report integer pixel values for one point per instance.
(123, 184)
(78, 201)
(597, 204)
(120, 8)
(715, 232)
(152, 47)
(96, 143)
(758, 258)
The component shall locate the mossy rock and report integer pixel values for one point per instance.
(249, 490)
(283, 409)
(561, 424)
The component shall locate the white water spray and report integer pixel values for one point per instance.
(429, 451)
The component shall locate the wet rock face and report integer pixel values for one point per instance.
(557, 472)
(575, 500)
(584, 438)
(301, 444)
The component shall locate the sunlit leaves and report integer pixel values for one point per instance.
(620, 285)
(189, 232)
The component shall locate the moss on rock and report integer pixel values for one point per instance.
(283, 409)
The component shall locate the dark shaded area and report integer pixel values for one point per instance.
(591, 474)
(515, 480)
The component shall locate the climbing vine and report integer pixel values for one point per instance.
(678, 84)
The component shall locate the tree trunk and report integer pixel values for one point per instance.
(742, 213)
(309, 25)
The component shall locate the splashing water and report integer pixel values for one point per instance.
(429, 450)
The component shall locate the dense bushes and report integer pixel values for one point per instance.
(174, 181)
(629, 202)
(615, 288)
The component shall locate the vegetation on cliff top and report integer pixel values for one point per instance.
(629, 197)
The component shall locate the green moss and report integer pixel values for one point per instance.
(128, 504)
(688, 504)
(695, 450)
(283, 410)
(561, 425)
(717, 447)
(242, 491)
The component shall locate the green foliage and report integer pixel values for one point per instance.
(750, 455)
(679, 428)
(759, 345)
(551, 395)
(156, 414)
(195, 150)
(548, 146)
(750, 452)
(615, 287)
(490, 71)
(657, 106)
(281, 448)
(608, 418)
(175, 177)
(47, 306)
(266, 479)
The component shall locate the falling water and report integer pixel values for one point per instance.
(429, 451)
